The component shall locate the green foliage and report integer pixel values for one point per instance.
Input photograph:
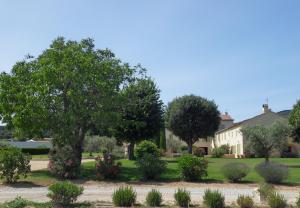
(36, 151)
(199, 151)
(162, 139)
(13, 164)
(245, 201)
(64, 193)
(272, 172)
(106, 167)
(294, 121)
(298, 202)
(17, 203)
(66, 90)
(146, 147)
(265, 190)
(141, 113)
(154, 198)
(182, 197)
(151, 166)
(124, 197)
(276, 200)
(63, 162)
(219, 152)
(192, 117)
(192, 168)
(234, 172)
(213, 199)
(263, 140)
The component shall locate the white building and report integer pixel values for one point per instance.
(233, 136)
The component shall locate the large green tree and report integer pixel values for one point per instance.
(262, 140)
(294, 121)
(141, 113)
(69, 88)
(192, 117)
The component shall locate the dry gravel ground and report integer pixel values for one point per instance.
(43, 163)
(100, 191)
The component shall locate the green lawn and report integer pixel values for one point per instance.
(131, 173)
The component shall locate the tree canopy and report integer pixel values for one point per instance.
(192, 117)
(69, 88)
(141, 113)
(264, 140)
(294, 121)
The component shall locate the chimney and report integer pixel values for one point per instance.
(266, 108)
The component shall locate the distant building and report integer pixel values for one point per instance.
(232, 135)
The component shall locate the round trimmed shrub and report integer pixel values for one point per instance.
(124, 197)
(276, 200)
(13, 164)
(192, 168)
(150, 166)
(234, 172)
(272, 172)
(154, 198)
(182, 197)
(146, 147)
(213, 199)
(245, 202)
(64, 193)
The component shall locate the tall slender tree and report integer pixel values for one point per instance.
(141, 114)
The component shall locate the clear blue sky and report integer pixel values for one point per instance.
(236, 52)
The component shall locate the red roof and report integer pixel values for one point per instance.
(226, 117)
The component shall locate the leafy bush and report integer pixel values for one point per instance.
(276, 200)
(265, 190)
(154, 198)
(182, 197)
(13, 164)
(245, 202)
(64, 162)
(106, 167)
(234, 172)
(272, 172)
(150, 166)
(17, 203)
(124, 197)
(192, 168)
(213, 199)
(64, 193)
(298, 202)
(146, 147)
(199, 151)
(220, 151)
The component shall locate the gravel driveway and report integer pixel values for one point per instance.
(43, 164)
(98, 191)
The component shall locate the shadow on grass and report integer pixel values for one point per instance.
(22, 184)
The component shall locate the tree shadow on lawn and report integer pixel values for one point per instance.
(23, 184)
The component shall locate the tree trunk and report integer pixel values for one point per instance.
(130, 151)
(190, 148)
(79, 145)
